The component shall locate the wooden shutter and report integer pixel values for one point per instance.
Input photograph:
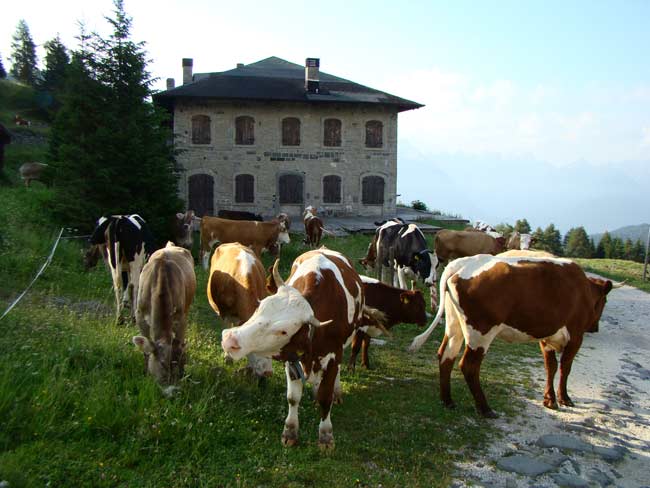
(291, 189)
(291, 131)
(200, 129)
(332, 133)
(372, 190)
(332, 189)
(201, 194)
(245, 130)
(244, 189)
(374, 133)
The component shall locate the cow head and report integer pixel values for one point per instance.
(525, 241)
(599, 290)
(413, 307)
(283, 217)
(183, 227)
(277, 319)
(424, 264)
(283, 235)
(92, 255)
(163, 360)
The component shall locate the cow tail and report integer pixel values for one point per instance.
(451, 269)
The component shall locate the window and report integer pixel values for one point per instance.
(244, 189)
(332, 189)
(291, 131)
(372, 191)
(374, 133)
(200, 129)
(245, 130)
(291, 189)
(201, 194)
(332, 133)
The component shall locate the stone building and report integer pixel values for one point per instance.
(274, 136)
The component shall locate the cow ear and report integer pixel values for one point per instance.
(180, 216)
(144, 344)
(404, 298)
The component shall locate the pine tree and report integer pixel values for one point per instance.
(618, 248)
(522, 226)
(3, 72)
(604, 248)
(628, 249)
(553, 240)
(53, 81)
(126, 152)
(23, 57)
(639, 251)
(505, 230)
(578, 244)
(540, 239)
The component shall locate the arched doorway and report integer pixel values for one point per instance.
(201, 194)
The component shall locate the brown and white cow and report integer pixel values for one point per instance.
(256, 235)
(167, 288)
(236, 286)
(549, 300)
(305, 324)
(183, 229)
(32, 171)
(452, 244)
(397, 305)
(313, 227)
(520, 241)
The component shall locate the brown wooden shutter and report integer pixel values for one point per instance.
(374, 133)
(332, 189)
(372, 190)
(200, 129)
(244, 189)
(291, 131)
(201, 194)
(291, 189)
(245, 130)
(332, 133)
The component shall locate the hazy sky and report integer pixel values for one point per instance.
(533, 109)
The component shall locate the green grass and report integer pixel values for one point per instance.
(617, 269)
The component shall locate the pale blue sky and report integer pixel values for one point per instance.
(533, 109)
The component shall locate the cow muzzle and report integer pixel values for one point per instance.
(230, 344)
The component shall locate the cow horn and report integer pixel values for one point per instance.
(317, 323)
(276, 274)
(619, 284)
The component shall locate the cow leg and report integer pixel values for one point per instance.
(470, 365)
(570, 351)
(365, 343)
(401, 277)
(447, 353)
(357, 339)
(117, 290)
(550, 363)
(135, 268)
(338, 391)
(294, 394)
(325, 397)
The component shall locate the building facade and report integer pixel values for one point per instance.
(274, 136)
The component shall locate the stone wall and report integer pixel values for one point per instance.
(267, 159)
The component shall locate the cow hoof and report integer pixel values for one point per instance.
(289, 437)
(552, 404)
(326, 442)
(489, 414)
(338, 398)
(566, 402)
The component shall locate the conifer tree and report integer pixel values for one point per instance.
(618, 248)
(53, 76)
(553, 240)
(578, 244)
(522, 226)
(3, 72)
(604, 248)
(23, 57)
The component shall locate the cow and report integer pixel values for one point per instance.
(239, 215)
(165, 294)
(305, 324)
(519, 299)
(397, 305)
(452, 244)
(403, 248)
(18, 120)
(256, 235)
(32, 171)
(313, 227)
(128, 241)
(236, 285)
(520, 241)
(283, 217)
(183, 229)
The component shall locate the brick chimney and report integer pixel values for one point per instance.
(187, 70)
(312, 75)
(171, 83)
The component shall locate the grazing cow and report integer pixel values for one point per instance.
(402, 247)
(128, 241)
(239, 215)
(283, 217)
(520, 241)
(306, 324)
(256, 235)
(398, 306)
(549, 300)
(183, 229)
(236, 285)
(32, 171)
(18, 120)
(92, 255)
(452, 244)
(313, 227)
(166, 291)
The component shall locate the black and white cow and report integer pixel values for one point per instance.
(127, 241)
(402, 248)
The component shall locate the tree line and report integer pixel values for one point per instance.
(110, 148)
(576, 243)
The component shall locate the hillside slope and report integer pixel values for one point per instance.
(634, 232)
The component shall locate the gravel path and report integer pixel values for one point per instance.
(605, 439)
